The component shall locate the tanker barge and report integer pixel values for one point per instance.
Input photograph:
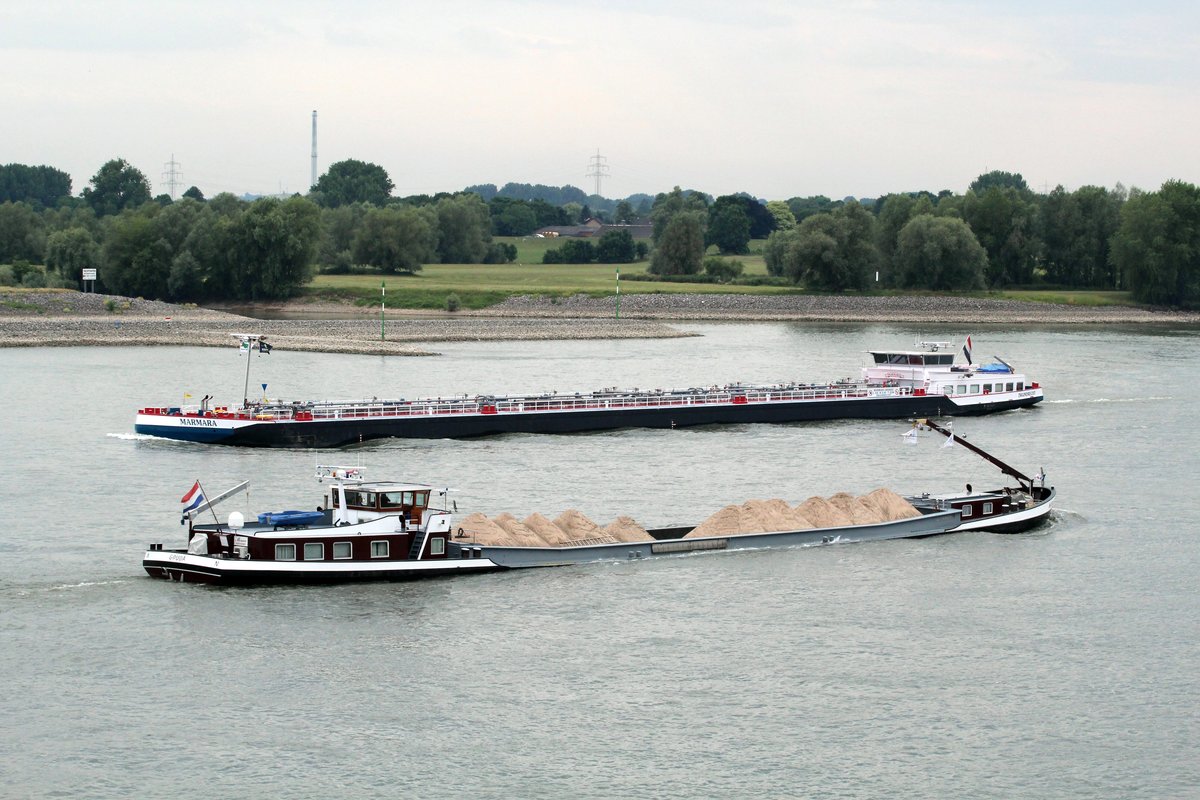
(927, 381)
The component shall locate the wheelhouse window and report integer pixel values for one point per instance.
(285, 552)
(342, 550)
(379, 549)
(314, 551)
(437, 546)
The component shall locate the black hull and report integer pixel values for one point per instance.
(336, 433)
(269, 577)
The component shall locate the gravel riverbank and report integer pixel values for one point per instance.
(64, 318)
(72, 319)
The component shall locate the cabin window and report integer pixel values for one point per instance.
(880, 358)
(379, 549)
(1020, 385)
(342, 550)
(391, 499)
(968, 510)
(437, 546)
(285, 552)
(975, 388)
(314, 551)
(987, 509)
(962, 388)
(1008, 387)
(918, 360)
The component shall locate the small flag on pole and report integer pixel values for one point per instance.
(193, 499)
(967, 349)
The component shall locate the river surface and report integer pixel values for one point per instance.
(1056, 664)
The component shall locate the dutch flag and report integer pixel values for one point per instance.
(192, 500)
(967, 350)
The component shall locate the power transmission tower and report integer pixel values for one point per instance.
(597, 169)
(172, 176)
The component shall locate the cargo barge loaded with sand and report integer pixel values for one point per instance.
(927, 381)
(390, 531)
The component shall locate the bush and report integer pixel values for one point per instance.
(34, 279)
(110, 305)
(6, 276)
(572, 251)
(722, 270)
(501, 253)
(452, 302)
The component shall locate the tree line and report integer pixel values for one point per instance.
(997, 234)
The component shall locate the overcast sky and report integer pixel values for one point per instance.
(779, 99)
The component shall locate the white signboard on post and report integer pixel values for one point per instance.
(89, 274)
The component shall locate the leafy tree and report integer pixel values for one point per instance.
(895, 210)
(339, 226)
(1003, 222)
(669, 204)
(464, 229)
(71, 251)
(73, 216)
(22, 233)
(998, 179)
(616, 247)
(353, 181)
(115, 187)
(785, 220)
(272, 246)
(1075, 229)
(833, 252)
(136, 258)
(938, 253)
(397, 239)
(729, 225)
(512, 217)
(624, 213)
(1157, 247)
(41, 186)
(679, 249)
(804, 207)
(194, 193)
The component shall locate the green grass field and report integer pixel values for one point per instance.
(481, 285)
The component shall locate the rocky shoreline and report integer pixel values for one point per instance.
(65, 318)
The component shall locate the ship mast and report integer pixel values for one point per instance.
(1005, 468)
(247, 342)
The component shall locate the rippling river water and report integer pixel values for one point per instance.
(1061, 663)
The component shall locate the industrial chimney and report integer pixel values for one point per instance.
(313, 182)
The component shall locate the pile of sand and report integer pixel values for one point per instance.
(771, 516)
(572, 528)
(890, 505)
(626, 529)
(579, 529)
(569, 529)
(550, 533)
